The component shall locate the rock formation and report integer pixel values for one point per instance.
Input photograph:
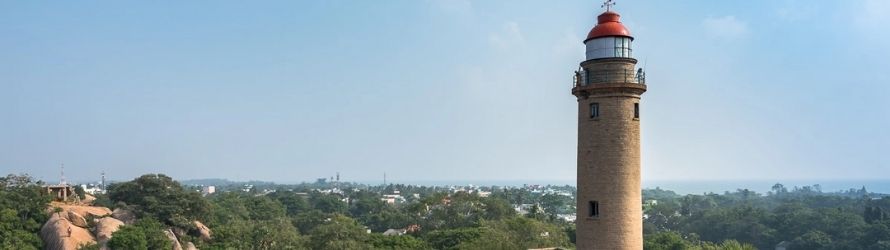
(173, 239)
(59, 233)
(203, 230)
(105, 227)
(124, 215)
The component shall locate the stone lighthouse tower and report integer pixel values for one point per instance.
(608, 87)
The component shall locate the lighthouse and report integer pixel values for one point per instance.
(608, 87)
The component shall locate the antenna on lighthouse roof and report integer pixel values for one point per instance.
(608, 5)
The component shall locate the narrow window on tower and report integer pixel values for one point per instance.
(594, 110)
(637, 110)
(594, 209)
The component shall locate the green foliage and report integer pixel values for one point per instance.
(89, 247)
(403, 242)
(327, 203)
(554, 204)
(264, 208)
(308, 221)
(147, 233)
(666, 241)
(385, 219)
(460, 210)
(451, 238)
(158, 196)
(79, 191)
(246, 221)
(804, 217)
(293, 203)
(811, 241)
(22, 206)
(271, 234)
(128, 237)
(518, 233)
(102, 200)
(675, 241)
(340, 232)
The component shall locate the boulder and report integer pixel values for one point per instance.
(88, 199)
(173, 239)
(124, 215)
(87, 211)
(203, 231)
(105, 227)
(190, 246)
(55, 234)
(77, 219)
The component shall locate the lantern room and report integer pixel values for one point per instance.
(609, 38)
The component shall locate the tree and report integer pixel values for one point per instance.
(666, 241)
(293, 203)
(327, 203)
(264, 208)
(385, 219)
(364, 202)
(553, 203)
(276, 234)
(451, 238)
(402, 242)
(340, 232)
(147, 233)
(811, 241)
(128, 237)
(518, 233)
(308, 221)
(22, 206)
(159, 196)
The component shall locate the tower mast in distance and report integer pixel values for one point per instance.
(62, 179)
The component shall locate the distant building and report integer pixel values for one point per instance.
(207, 190)
(567, 217)
(395, 232)
(92, 189)
(61, 192)
(393, 199)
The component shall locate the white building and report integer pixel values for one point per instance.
(206, 190)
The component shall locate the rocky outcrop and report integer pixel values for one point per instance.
(190, 246)
(68, 227)
(88, 199)
(86, 211)
(105, 227)
(59, 233)
(173, 239)
(76, 219)
(203, 231)
(125, 215)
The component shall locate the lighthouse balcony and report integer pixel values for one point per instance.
(586, 78)
(602, 82)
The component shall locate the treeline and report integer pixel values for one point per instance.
(309, 219)
(302, 217)
(22, 212)
(800, 218)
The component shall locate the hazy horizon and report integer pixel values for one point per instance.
(435, 90)
(683, 187)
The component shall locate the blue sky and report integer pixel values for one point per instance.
(435, 90)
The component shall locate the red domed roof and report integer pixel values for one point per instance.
(608, 25)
